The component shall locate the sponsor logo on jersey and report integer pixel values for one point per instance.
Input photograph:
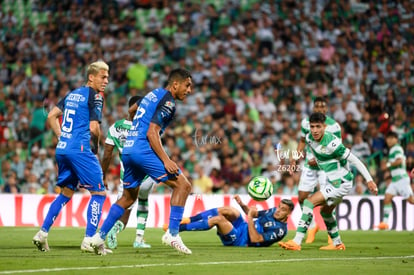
(98, 97)
(152, 97)
(76, 97)
(169, 104)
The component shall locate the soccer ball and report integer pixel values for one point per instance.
(260, 188)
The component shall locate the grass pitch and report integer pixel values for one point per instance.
(367, 252)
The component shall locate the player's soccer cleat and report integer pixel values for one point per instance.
(86, 246)
(98, 245)
(383, 226)
(290, 245)
(311, 234)
(141, 244)
(111, 239)
(185, 220)
(330, 240)
(340, 246)
(175, 242)
(40, 241)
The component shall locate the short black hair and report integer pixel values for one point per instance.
(179, 74)
(392, 134)
(320, 99)
(134, 99)
(317, 118)
(289, 203)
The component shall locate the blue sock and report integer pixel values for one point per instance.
(205, 215)
(114, 214)
(54, 211)
(176, 216)
(93, 215)
(200, 225)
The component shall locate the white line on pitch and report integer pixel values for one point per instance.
(203, 263)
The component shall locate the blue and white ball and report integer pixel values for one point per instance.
(260, 188)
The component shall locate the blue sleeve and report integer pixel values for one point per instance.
(164, 113)
(61, 104)
(95, 104)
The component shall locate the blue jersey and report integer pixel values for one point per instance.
(270, 228)
(158, 106)
(79, 107)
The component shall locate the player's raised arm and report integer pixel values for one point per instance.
(154, 139)
(53, 120)
(254, 235)
(242, 204)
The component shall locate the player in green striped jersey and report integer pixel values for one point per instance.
(117, 135)
(311, 174)
(333, 158)
(400, 181)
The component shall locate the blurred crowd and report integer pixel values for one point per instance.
(256, 67)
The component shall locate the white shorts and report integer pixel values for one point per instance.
(309, 178)
(144, 190)
(333, 195)
(400, 187)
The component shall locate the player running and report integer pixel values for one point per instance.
(332, 157)
(116, 137)
(400, 181)
(143, 155)
(311, 174)
(263, 228)
(75, 155)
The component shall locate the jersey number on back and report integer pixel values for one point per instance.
(140, 113)
(67, 123)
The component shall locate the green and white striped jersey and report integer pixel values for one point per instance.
(117, 135)
(331, 127)
(397, 172)
(331, 156)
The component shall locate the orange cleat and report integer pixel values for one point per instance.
(311, 234)
(184, 220)
(340, 246)
(382, 226)
(290, 245)
(330, 240)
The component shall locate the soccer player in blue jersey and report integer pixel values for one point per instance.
(117, 135)
(76, 152)
(143, 155)
(263, 228)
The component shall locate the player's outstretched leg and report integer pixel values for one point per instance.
(181, 189)
(40, 239)
(98, 240)
(332, 227)
(307, 215)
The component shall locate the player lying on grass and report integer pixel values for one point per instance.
(332, 157)
(263, 228)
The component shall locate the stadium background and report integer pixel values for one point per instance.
(256, 68)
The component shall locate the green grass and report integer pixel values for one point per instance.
(367, 252)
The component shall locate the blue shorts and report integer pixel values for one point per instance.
(141, 164)
(238, 236)
(80, 170)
